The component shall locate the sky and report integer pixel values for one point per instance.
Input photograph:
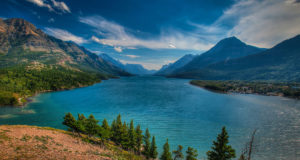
(158, 32)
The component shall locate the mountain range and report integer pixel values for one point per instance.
(21, 43)
(136, 69)
(170, 68)
(231, 59)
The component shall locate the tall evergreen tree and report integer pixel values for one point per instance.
(147, 144)
(124, 136)
(105, 132)
(191, 154)
(91, 125)
(166, 155)
(69, 121)
(178, 153)
(81, 124)
(117, 127)
(132, 136)
(220, 149)
(153, 149)
(139, 139)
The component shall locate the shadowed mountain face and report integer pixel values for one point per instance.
(226, 49)
(21, 43)
(136, 69)
(170, 68)
(278, 63)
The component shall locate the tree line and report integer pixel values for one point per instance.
(132, 139)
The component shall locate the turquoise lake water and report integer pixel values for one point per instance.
(174, 109)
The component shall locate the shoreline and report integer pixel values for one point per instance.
(30, 98)
(279, 94)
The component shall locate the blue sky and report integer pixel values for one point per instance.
(157, 32)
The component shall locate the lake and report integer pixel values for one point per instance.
(174, 109)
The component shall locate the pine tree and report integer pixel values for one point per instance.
(105, 132)
(132, 136)
(69, 121)
(166, 155)
(117, 128)
(147, 144)
(220, 149)
(105, 125)
(80, 124)
(124, 136)
(153, 149)
(139, 139)
(91, 126)
(178, 153)
(191, 154)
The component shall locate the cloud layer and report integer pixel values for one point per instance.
(53, 5)
(112, 34)
(65, 35)
(263, 23)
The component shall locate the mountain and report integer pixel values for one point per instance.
(226, 49)
(136, 69)
(280, 63)
(169, 68)
(21, 43)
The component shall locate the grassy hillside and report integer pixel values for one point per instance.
(19, 82)
(30, 142)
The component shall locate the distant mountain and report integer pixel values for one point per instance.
(170, 68)
(278, 63)
(226, 49)
(21, 43)
(136, 69)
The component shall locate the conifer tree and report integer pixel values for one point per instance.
(139, 139)
(69, 121)
(124, 136)
(220, 149)
(166, 155)
(105, 124)
(147, 144)
(117, 127)
(105, 131)
(153, 149)
(178, 153)
(91, 126)
(80, 124)
(191, 154)
(132, 136)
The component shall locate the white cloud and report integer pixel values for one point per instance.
(118, 49)
(41, 3)
(61, 6)
(65, 35)
(131, 56)
(263, 23)
(115, 35)
(53, 5)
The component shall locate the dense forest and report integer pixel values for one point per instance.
(18, 83)
(131, 138)
(287, 89)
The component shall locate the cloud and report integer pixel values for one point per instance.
(115, 35)
(64, 35)
(51, 20)
(53, 5)
(118, 49)
(263, 23)
(61, 6)
(132, 56)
